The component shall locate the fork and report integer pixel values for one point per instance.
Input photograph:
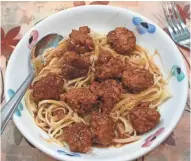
(176, 27)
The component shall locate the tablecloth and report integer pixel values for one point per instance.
(18, 17)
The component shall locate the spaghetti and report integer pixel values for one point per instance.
(43, 111)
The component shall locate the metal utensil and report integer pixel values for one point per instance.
(7, 111)
(176, 26)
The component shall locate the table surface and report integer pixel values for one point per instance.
(18, 17)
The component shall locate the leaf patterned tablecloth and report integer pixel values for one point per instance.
(18, 17)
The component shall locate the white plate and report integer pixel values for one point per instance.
(102, 19)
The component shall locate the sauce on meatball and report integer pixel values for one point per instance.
(122, 40)
(107, 66)
(81, 100)
(80, 41)
(49, 87)
(74, 66)
(108, 94)
(137, 79)
(78, 136)
(103, 128)
(143, 118)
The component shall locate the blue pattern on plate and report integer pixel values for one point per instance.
(176, 71)
(143, 27)
(69, 154)
(11, 93)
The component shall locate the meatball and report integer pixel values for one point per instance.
(143, 118)
(108, 66)
(84, 29)
(137, 79)
(122, 40)
(74, 66)
(80, 41)
(49, 87)
(78, 136)
(108, 94)
(81, 100)
(103, 128)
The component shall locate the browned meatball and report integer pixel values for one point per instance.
(84, 29)
(49, 87)
(78, 136)
(137, 79)
(122, 40)
(143, 118)
(80, 41)
(80, 99)
(108, 94)
(74, 66)
(108, 66)
(102, 127)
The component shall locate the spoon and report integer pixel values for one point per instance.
(49, 41)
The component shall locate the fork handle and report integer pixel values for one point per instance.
(185, 43)
(8, 110)
(187, 46)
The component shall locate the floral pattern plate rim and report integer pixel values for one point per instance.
(153, 38)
